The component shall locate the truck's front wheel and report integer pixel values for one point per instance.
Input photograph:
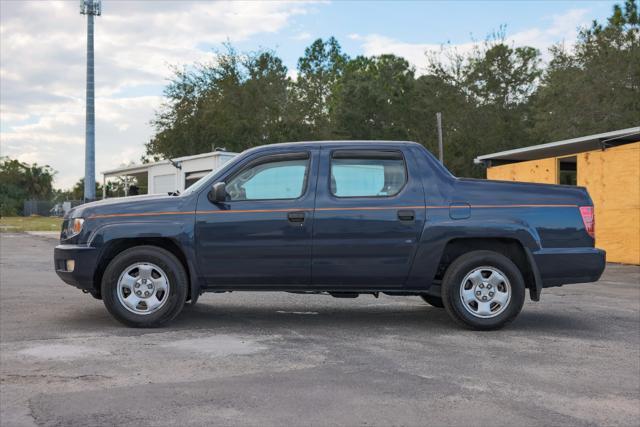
(483, 290)
(144, 286)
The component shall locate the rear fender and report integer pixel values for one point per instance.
(436, 235)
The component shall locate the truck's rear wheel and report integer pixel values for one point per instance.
(433, 300)
(144, 286)
(483, 290)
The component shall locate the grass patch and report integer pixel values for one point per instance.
(30, 223)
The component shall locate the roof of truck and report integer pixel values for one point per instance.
(339, 142)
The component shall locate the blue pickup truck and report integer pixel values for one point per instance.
(341, 218)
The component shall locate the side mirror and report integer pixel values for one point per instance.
(218, 192)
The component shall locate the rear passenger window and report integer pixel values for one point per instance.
(361, 173)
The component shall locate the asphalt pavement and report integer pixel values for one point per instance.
(263, 359)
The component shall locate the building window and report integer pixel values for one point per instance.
(568, 170)
(191, 178)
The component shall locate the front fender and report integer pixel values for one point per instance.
(178, 230)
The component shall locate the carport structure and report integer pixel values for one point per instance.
(138, 172)
(170, 175)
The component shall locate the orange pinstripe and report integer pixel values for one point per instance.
(355, 208)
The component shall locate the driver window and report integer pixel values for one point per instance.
(270, 180)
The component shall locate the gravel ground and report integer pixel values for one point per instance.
(282, 359)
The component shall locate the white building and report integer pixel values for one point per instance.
(168, 176)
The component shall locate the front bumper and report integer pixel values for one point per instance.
(85, 259)
(562, 266)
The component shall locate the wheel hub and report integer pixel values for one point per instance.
(144, 288)
(484, 291)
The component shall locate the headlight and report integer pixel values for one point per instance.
(74, 226)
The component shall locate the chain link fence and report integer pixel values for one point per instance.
(47, 207)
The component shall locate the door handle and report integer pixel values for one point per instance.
(406, 215)
(297, 216)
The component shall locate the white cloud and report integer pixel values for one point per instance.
(57, 138)
(302, 36)
(42, 71)
(562, 28)
(375, 44)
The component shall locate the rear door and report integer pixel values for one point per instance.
(368, 218)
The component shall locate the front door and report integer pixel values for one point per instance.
(262, 234)
(368, 218)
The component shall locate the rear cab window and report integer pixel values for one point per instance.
(367, 173)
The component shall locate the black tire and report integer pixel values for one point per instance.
(453, 282)
(176, 276)
(433, 300)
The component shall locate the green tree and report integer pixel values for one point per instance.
(373, 99)
(319, 69)
(594, 87)
(486, 107)
(238, 101)
(21, 181)
(77, 191)
(459, 120)
(493, 73)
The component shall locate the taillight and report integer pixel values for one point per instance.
(588, 219)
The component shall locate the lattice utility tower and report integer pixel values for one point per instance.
(90, 8)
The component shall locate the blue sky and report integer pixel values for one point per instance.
(42, 56)
(419, 22)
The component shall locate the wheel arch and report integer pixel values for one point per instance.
(440, 232)
(510, 247)
(113, 247)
